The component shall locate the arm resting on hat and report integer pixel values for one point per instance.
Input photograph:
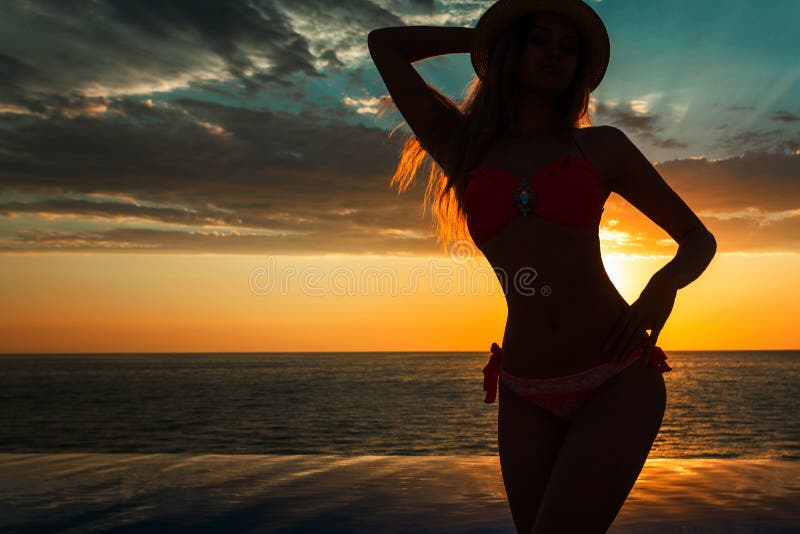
(432, 116)
(416, 43)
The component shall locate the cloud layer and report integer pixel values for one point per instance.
(159, 127)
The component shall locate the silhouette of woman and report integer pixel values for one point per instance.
(520, 167)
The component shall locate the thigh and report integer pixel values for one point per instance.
(603, 452)
(528, 440)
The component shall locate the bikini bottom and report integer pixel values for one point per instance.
(563, 395)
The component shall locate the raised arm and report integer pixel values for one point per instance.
(431, 115)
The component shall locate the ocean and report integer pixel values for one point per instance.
(720, 404)
(360, 442)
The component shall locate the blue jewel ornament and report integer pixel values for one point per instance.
(524, 196)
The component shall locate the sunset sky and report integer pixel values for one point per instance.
(176, 177)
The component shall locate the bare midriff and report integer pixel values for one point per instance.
(562, 306)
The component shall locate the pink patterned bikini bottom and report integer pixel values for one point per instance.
(563, 395)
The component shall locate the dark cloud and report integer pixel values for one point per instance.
(325, 183)
(785, 116)
(353, 241)
(644, 126)
(669, 143)
(120, 47)
(314, 185)
(755, 140)
(764, 181)
(214, 173)
(756, 234)
(119, 211)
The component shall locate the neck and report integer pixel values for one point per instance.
(538, 115)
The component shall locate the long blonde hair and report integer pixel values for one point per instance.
(488, 111)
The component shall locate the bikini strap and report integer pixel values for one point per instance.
(572, 134)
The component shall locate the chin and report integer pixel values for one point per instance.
(550, 88)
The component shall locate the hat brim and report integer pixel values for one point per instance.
(504, 12)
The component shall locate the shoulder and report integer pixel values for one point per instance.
(604, 140)
(600, 144)
(612, 140)
(599, 135)
(616, 148)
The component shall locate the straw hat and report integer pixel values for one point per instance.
(503, 12)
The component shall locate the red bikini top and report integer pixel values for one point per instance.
(567, 190)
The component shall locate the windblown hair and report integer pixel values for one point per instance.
(488, 112)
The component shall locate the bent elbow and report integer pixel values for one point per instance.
(709, 241)
(374, 37)
(697, 232)
(713, 245)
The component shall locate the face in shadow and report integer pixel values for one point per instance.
(549, 55)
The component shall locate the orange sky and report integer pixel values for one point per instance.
(181, 303)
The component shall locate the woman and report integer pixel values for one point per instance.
(581, 395)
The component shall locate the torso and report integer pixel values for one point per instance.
(560, 332)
